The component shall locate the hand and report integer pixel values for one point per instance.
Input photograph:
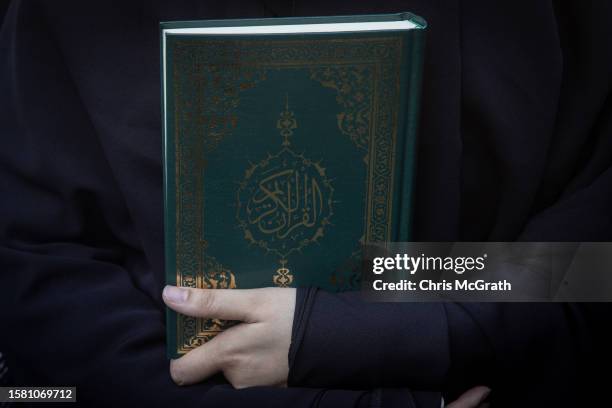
(472, 398)
(252, 353)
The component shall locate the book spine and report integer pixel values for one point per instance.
(169, 247)
(414, 60)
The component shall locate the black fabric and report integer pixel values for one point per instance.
(525, 352)
(515, 145)
(349, 343)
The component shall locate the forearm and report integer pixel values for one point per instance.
(340, 339)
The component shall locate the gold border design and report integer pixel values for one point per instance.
(243, 64)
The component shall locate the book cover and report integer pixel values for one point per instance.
(284, 151)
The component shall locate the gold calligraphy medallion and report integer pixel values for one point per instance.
(284, 202)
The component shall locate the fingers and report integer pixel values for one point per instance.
(471, 398)
(248, 354)
(197, 365)
(226, 304)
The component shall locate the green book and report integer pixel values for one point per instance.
(289, 143)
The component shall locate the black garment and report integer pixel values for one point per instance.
(515, 144)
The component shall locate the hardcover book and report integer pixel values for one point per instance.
(289, 143)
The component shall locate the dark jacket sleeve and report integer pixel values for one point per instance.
(516, 349)
(340, 340)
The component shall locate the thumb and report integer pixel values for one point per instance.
(227, 304)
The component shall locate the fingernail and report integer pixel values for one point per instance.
(174, 294)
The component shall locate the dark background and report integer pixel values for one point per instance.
(515, 144)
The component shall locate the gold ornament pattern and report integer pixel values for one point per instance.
(208, 76)
(353, 93)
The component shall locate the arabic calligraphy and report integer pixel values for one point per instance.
(285, 201)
